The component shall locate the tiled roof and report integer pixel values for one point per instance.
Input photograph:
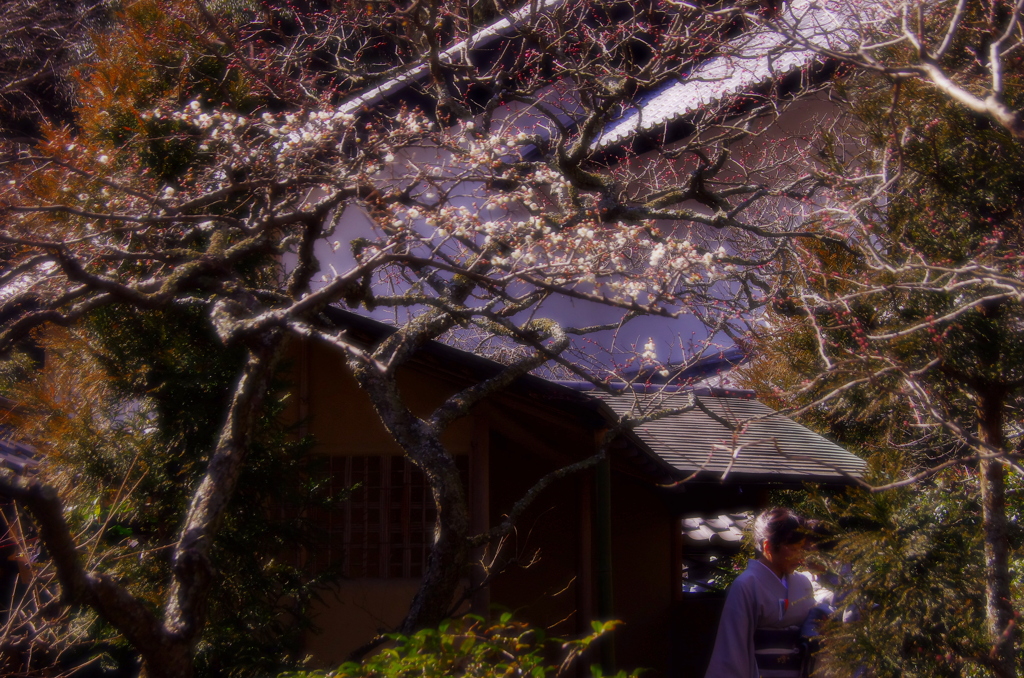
(713, 367)
(723, 530)
(772, 448)
(15, 282)
(747, 61)
(752, 58)
(457, 53)
(763, 447)
(16, 456)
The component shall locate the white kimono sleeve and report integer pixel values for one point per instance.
(733, 656)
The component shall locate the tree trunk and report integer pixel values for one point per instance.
(163, 656)
(449, 553)
(998, 601)
(175, 661)
(192, 572)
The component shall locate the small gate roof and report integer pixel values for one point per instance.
(723, 436)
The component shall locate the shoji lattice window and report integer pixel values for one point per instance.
(384, 530)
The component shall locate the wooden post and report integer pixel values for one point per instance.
(479, 509)
(677, 558)
(603, 544)
(585, 565)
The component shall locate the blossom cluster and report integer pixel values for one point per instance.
(460, 194)
(624, 262)
(287, 139)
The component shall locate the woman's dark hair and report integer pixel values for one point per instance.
(779, 526)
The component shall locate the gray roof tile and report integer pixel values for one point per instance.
(715, 530)
(761, 446)
(747, 61)
(17, 457)
(457, 53)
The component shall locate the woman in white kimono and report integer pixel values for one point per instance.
(759, 632)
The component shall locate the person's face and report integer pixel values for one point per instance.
(785, 558)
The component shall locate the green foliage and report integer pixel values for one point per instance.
(919, 585)
(913, 556)
(172, 357)
(125, 415)
(130, 407)
(912, 577)
(470, 648)
(258, 617)
(912, 352)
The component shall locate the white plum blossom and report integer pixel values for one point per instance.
(657, 254)
(523, 231)
(650, 351)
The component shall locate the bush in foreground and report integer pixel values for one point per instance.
(470, 648)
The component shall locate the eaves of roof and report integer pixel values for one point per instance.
(710, 364)
(530, 390)
(773, 449)
(745, 62)
(457, 53)
(17, 457)
(758, 445)
(460, 364)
